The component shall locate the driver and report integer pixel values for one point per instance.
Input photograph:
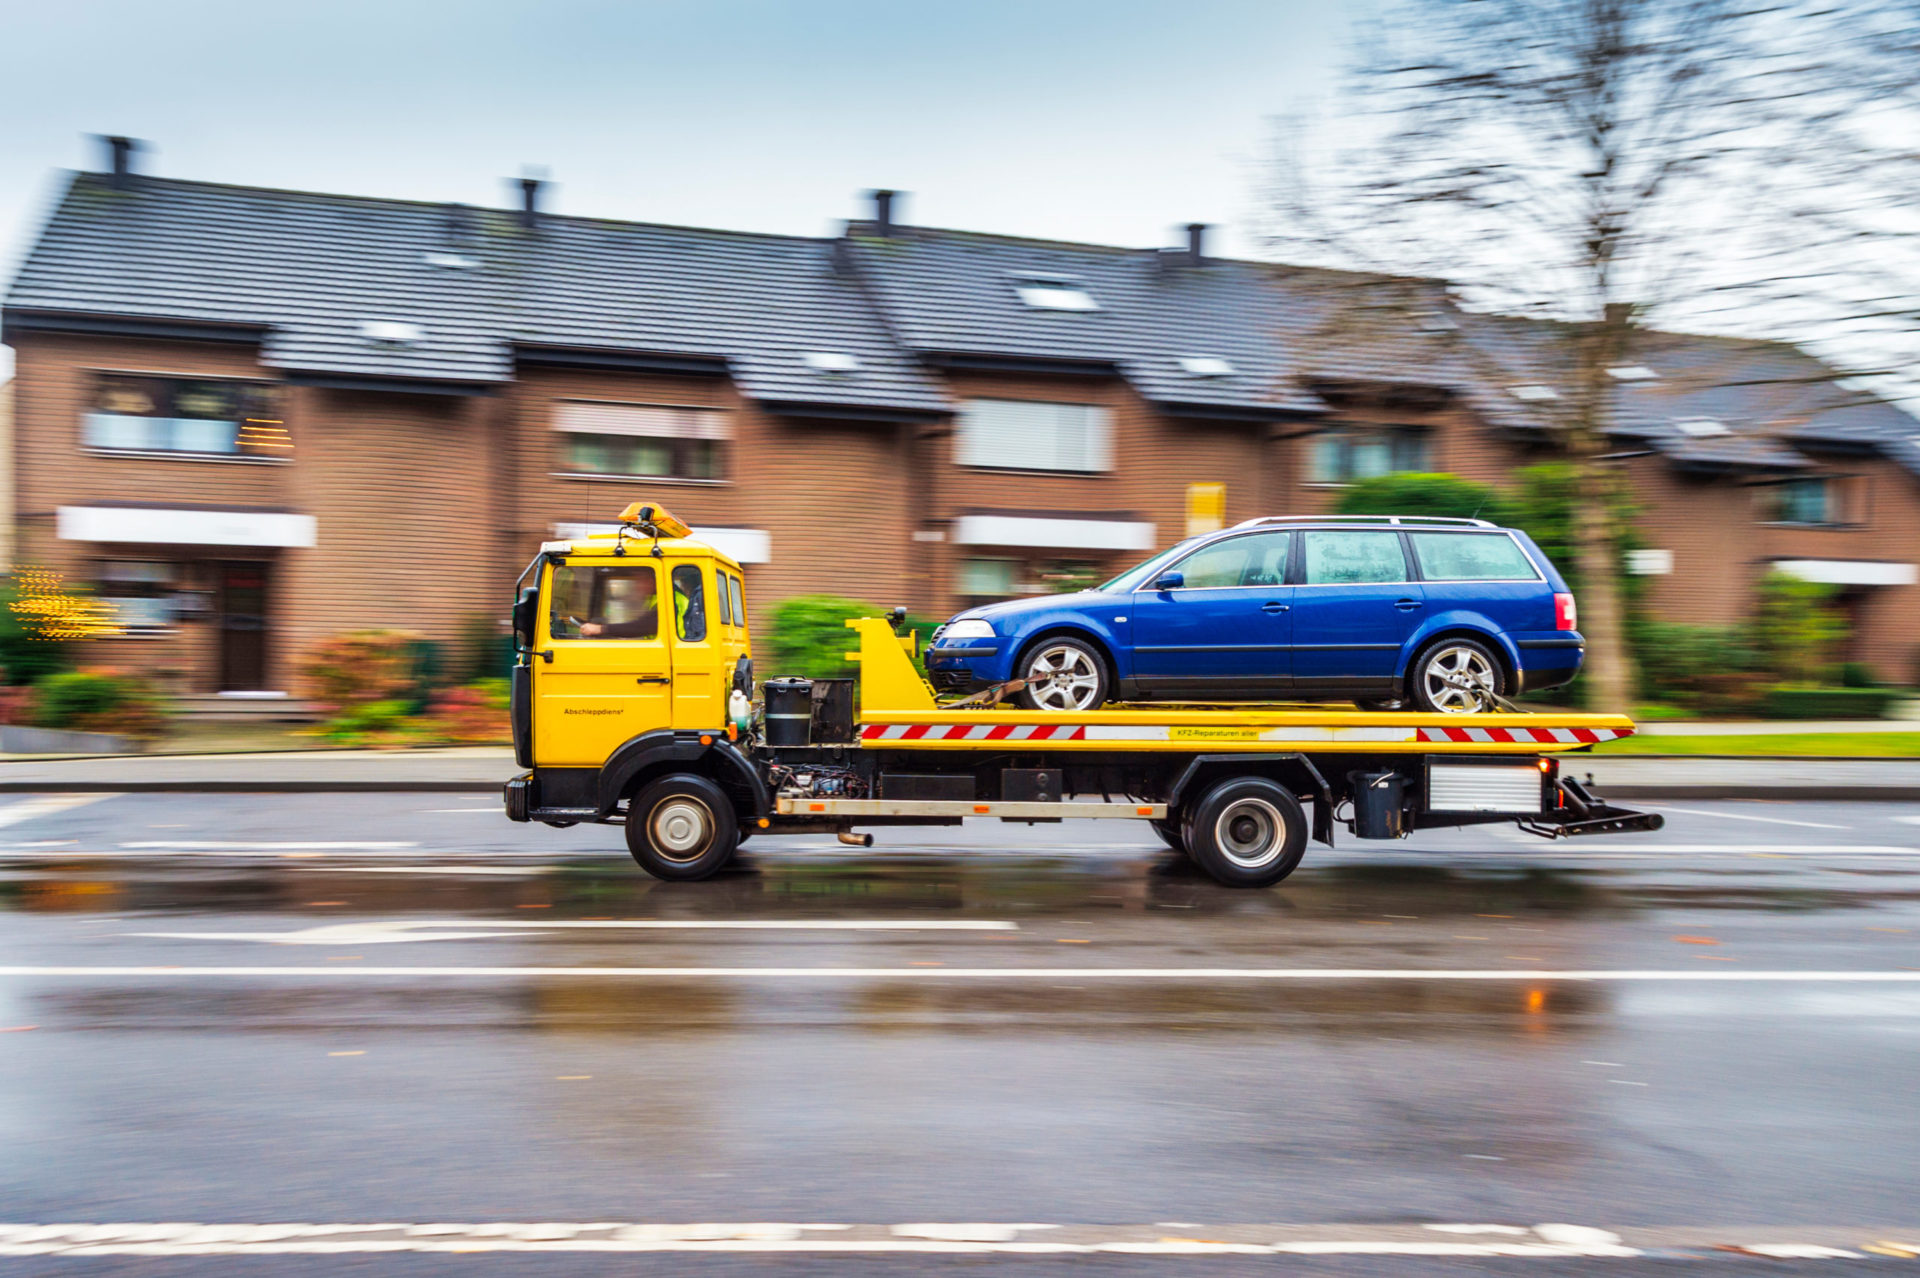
(630, 595)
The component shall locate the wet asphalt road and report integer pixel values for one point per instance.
(1414, 1089)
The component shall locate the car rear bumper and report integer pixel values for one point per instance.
(1550, 661)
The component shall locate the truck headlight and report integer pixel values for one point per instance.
(970, 629)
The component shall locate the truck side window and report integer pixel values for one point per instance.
(689, 603)
(739, 608)
(605, 603)
(720, 593)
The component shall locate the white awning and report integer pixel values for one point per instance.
(742, 545)
(1062, 534)
(1849, 572)
(146, 525)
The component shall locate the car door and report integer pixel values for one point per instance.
(1224, 631)
(1353, 610)
(596, 691)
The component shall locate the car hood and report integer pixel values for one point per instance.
(1011, 610)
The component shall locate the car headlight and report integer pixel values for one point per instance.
(970, 629)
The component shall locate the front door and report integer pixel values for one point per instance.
(1224, 631)
(1353, 611)
(243, 627)
(602, 671)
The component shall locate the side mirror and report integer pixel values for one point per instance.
(525, 610)
(1170, 581)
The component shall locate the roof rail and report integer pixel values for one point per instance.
(1365, 519)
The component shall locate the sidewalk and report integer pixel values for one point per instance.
(482, 769)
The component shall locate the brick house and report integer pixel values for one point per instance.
(231, 405)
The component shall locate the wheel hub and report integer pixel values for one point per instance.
(681, 828)
(1251, 833)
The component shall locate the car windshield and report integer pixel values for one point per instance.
(1132, 577)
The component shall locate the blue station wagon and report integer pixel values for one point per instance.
(1389, 612)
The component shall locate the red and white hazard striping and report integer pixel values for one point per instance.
(974, 732)
(1525, 736)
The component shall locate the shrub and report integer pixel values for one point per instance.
(1829, 703)
(1796, 628)
(369, 723)
(1445, 496)
(810, 636)
(1857, 674)
(361, 668)
(42, 624)
(99, 701)
(475, 713)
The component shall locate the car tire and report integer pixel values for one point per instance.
(1247, 832)
(1440, 679)
(1062, 674)
(682, 827)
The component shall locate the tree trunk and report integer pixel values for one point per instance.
(1602, 618)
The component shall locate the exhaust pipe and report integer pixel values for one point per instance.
(855, 840)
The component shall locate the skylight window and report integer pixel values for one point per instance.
(391, 332)
(1700, 427)
(1633, 373)
(1054, 293)
(1533, 394)
(832, 362)
(1205, 366)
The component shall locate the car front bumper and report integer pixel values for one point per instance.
(967, 666)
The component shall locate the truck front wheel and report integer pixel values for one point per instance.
(1247, 832)
(681, 827)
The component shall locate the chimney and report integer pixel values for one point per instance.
(530, 201)
(1196, 243)
(883, 214)
(120, 161)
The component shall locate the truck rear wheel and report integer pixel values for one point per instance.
(1169, 832)
(681, 827)
(1247, 832)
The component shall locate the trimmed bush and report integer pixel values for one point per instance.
(99, 701)
(361, 668)
(1829, 703)
(473, 714)
(810, 637)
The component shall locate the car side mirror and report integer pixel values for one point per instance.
(1170, 581)
(525, 609)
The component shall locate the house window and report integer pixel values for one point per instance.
(1803, 501)
(1020, 434)
(1349, 453)
(986, 578)
(136, 414)
(642, 441)
(140, 593)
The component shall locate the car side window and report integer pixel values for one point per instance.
(605, 603)
(1258, 559)
(689, 604)
(1350, 557)
(1459, 556)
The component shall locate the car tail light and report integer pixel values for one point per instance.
(1564, 616)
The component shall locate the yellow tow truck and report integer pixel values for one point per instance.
(634, 704)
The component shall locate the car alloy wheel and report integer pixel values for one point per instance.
(1063, 676)
(1459, 678)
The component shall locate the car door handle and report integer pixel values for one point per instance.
(654, 679)
(1274, 607)
(1408, 605)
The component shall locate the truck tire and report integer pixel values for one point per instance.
(1169, 832)
(1247, 832)
(681, 827)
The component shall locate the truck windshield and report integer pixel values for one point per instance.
(605, 603)
(1134, 576)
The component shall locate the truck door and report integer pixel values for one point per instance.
(702, 666)
(1224, 631)
(602, 672)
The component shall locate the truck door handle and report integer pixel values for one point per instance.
(654, 679)
(1408, 605)
(1274, 607)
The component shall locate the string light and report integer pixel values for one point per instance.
(49, 611)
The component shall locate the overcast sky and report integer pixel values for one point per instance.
(1107, 120)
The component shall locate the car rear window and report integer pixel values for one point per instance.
(1353, 558)
(1449, 556)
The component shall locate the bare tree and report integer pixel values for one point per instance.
(1607, 164)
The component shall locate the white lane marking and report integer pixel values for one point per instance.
(1687, 849)
(493, 811)
(1599, 975)
(391, 931)
(186, 845)
(1745, 816)
(518, 871)
(47, 805)
(1908, 820)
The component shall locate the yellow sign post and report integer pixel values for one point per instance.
(1206, 508)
